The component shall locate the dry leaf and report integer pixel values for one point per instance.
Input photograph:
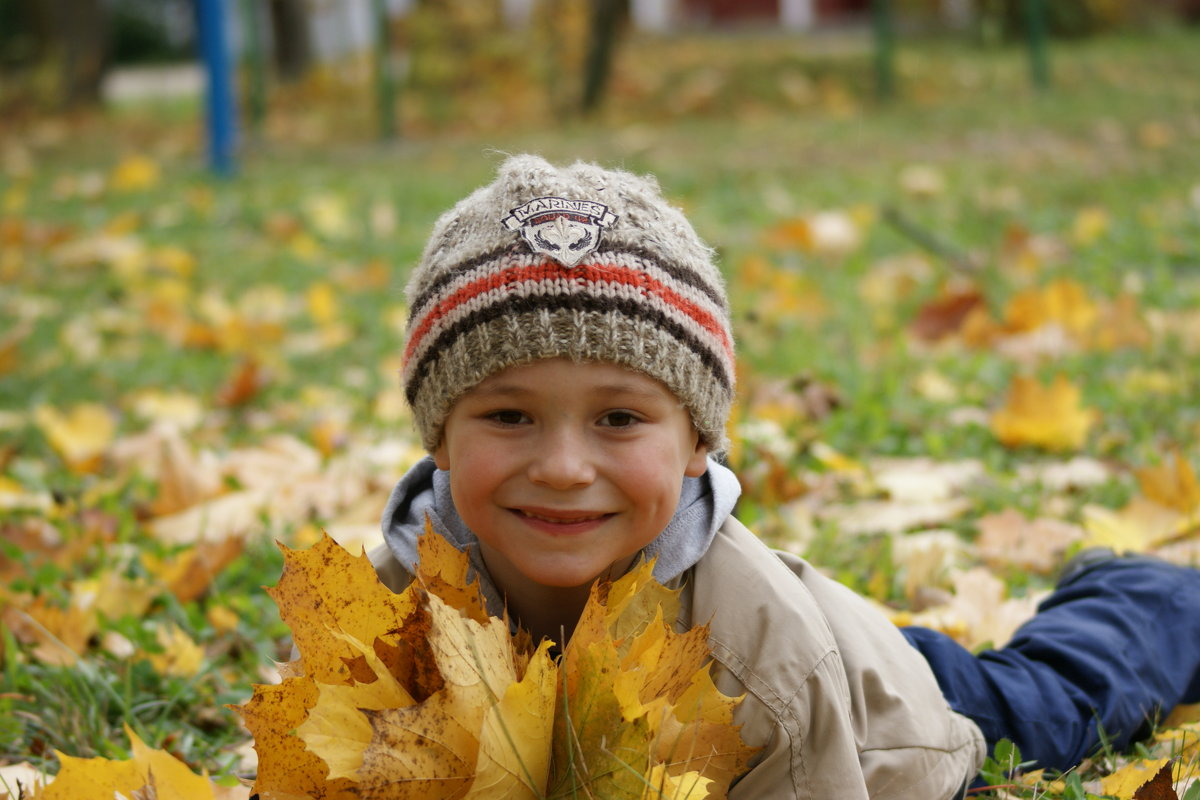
(181, 656)
(80, 436)
(979, 613)
(101, 777)
(1126, 782)
(1174, 486)
(945, 314)
(21, 777)
(189, 574)
(1010, 539)
(423, 695)
(1048, 417)
(243, 385)
(135, 173)
(326, 589)
(1139, 526)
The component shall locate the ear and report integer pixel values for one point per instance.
(698, 462)
(441, 456)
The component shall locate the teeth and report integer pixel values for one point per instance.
(562, 520)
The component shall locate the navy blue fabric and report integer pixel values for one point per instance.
(1110, 650)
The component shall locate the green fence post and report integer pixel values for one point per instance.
(1039, 61)
(385, 83)
(885, 49)
(256, 67)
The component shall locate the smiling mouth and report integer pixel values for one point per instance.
(561, 519)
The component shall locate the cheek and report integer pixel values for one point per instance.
(654, 490)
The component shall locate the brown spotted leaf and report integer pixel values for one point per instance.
(325, 589)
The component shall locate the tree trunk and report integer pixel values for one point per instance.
(289, 29)
(603, 31)
(75, 34)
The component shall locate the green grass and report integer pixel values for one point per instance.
(1120, 130)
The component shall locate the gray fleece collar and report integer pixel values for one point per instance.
(704, 503)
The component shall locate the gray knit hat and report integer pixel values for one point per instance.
(582, 263)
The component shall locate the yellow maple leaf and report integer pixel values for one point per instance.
(1063, 302)
(60, 634)
(1173, 485)
(322, 302)
(181, 656)
(135, 173)
(485, 734)
(286, 768)
(444, 701)
(1137, 527)
(80, 435)
(336, 728)
(325, 588)
(189, 574)
(515, 740)
(443, 570)
(102, 777)
(640, 695)
(1123, 783)
(1048, 417)
(660, 783)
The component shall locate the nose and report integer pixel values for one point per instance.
(560, 460)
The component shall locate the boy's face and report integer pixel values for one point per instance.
(565, 470)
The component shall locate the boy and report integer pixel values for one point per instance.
(570, 367)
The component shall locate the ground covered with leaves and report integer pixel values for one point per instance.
(969, 345)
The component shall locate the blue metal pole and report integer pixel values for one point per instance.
(219, 99)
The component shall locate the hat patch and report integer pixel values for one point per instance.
(565, 230)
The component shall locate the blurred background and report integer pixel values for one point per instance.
(354, 70)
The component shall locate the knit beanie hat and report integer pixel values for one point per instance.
(581, 263)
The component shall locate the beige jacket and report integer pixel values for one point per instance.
(843, 707)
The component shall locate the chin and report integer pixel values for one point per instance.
(563, 579)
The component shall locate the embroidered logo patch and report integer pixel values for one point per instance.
(565, 230)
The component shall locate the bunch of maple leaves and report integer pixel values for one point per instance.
(423, 695)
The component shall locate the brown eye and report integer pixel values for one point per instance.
(618, 419)
(507, 417)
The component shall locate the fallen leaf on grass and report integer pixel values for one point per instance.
(946, 313)
(181, 409)
(1140, 526)
(1183, 715)
(1173, 485)
(188, 574)
(1038, 545)
(213, 520)
(180, 656)
(891, 516)
(161, 454)
(979, 613)
(1049, 417)
(21, 780)
(170, 778)
(80, 435)
(1128, 782)
(135, 173)
(243, 385)
(826, 233)
(1061, 476)
(60, 635)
